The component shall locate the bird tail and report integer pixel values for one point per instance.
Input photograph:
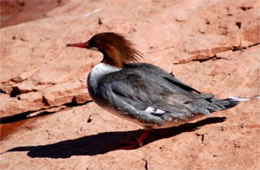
(233, 101)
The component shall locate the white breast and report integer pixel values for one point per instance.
(97, 72)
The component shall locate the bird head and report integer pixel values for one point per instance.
(116, 49)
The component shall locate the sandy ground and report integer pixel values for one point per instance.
(48, 120)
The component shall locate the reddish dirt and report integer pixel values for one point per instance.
(18, 11)
(49, 122)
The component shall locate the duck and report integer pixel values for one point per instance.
(141, 92)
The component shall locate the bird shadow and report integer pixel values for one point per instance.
(105, 142)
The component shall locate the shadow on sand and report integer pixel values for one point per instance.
(105, 142)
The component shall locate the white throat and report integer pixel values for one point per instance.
(97, 72)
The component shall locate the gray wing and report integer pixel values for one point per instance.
(159, 74)
(153, 96)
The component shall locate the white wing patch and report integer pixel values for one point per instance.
(154, 110)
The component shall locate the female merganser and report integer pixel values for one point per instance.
(141, 92)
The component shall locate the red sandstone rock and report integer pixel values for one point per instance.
(210, 45)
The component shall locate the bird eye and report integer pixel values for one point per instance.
(92, 43)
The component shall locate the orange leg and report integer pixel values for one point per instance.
(138, 142)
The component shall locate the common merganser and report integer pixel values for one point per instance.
(141, 92)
